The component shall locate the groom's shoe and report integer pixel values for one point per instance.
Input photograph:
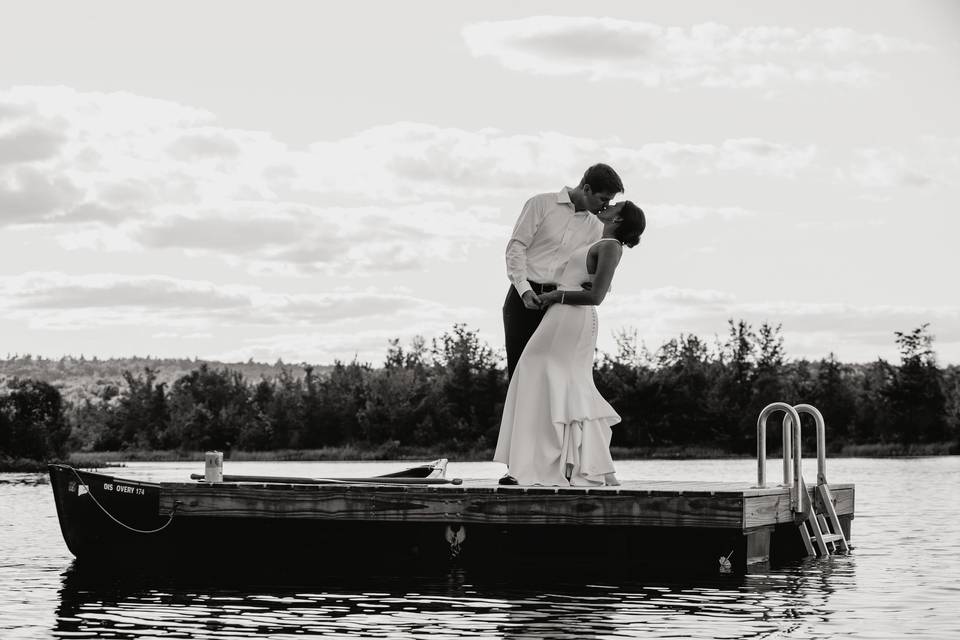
(507, 479)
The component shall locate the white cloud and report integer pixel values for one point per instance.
(28, 144)
(68, 302)
(668, 215)
(706, 55)
(205, 143)
(57, 291)
(885, 169)
(29, 194)
(199, 335)
(337, 239)
(935, 162)
(749, 156)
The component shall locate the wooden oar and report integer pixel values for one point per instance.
(292, 480)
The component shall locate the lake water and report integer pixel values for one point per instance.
(902, 580)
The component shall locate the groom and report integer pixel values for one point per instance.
(550, 228)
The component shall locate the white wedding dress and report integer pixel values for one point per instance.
(555, 428)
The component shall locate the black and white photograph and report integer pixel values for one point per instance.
(508, 319)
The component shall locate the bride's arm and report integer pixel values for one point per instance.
(608, 257)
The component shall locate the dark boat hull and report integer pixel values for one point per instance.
(84, 499)
(105, 519)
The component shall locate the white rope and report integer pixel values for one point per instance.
(109, 515)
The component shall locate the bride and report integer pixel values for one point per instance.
(555, 428)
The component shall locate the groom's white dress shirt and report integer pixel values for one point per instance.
(547, 232)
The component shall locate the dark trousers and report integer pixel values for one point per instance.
(519, 323)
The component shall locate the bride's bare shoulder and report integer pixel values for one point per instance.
(608, 247)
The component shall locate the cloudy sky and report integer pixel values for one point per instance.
(305, 180)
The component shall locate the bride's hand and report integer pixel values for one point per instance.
(549, 298)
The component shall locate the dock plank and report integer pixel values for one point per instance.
(769, 509)
(637, 503)
(512, 505)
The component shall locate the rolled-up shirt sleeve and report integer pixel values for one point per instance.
(520, 239)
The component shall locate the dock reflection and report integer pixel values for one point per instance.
(95, 603)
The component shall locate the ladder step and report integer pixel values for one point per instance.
(830, 537)
(827, 500)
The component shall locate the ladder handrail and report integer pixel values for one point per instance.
(769, 410)
(821, 438)
(792, 475)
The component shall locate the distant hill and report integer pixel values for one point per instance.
(81, 377)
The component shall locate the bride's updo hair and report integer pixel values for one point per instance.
(632, 224)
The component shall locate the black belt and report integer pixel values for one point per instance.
(539, 288)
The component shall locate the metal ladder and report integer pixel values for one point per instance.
(816, 519)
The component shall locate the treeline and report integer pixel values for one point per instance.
(447, 396)
(690, 392)
(79, 377)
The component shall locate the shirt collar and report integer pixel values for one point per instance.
(564, 198)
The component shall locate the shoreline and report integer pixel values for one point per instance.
(393, 452)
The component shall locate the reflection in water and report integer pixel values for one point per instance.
(25, 479)
(94, 604)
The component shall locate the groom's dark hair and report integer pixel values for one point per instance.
(602, 177)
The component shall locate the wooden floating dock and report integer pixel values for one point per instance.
(320, 524)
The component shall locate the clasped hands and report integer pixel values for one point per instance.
(540, 302)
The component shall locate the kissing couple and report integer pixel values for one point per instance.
(561, 257)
